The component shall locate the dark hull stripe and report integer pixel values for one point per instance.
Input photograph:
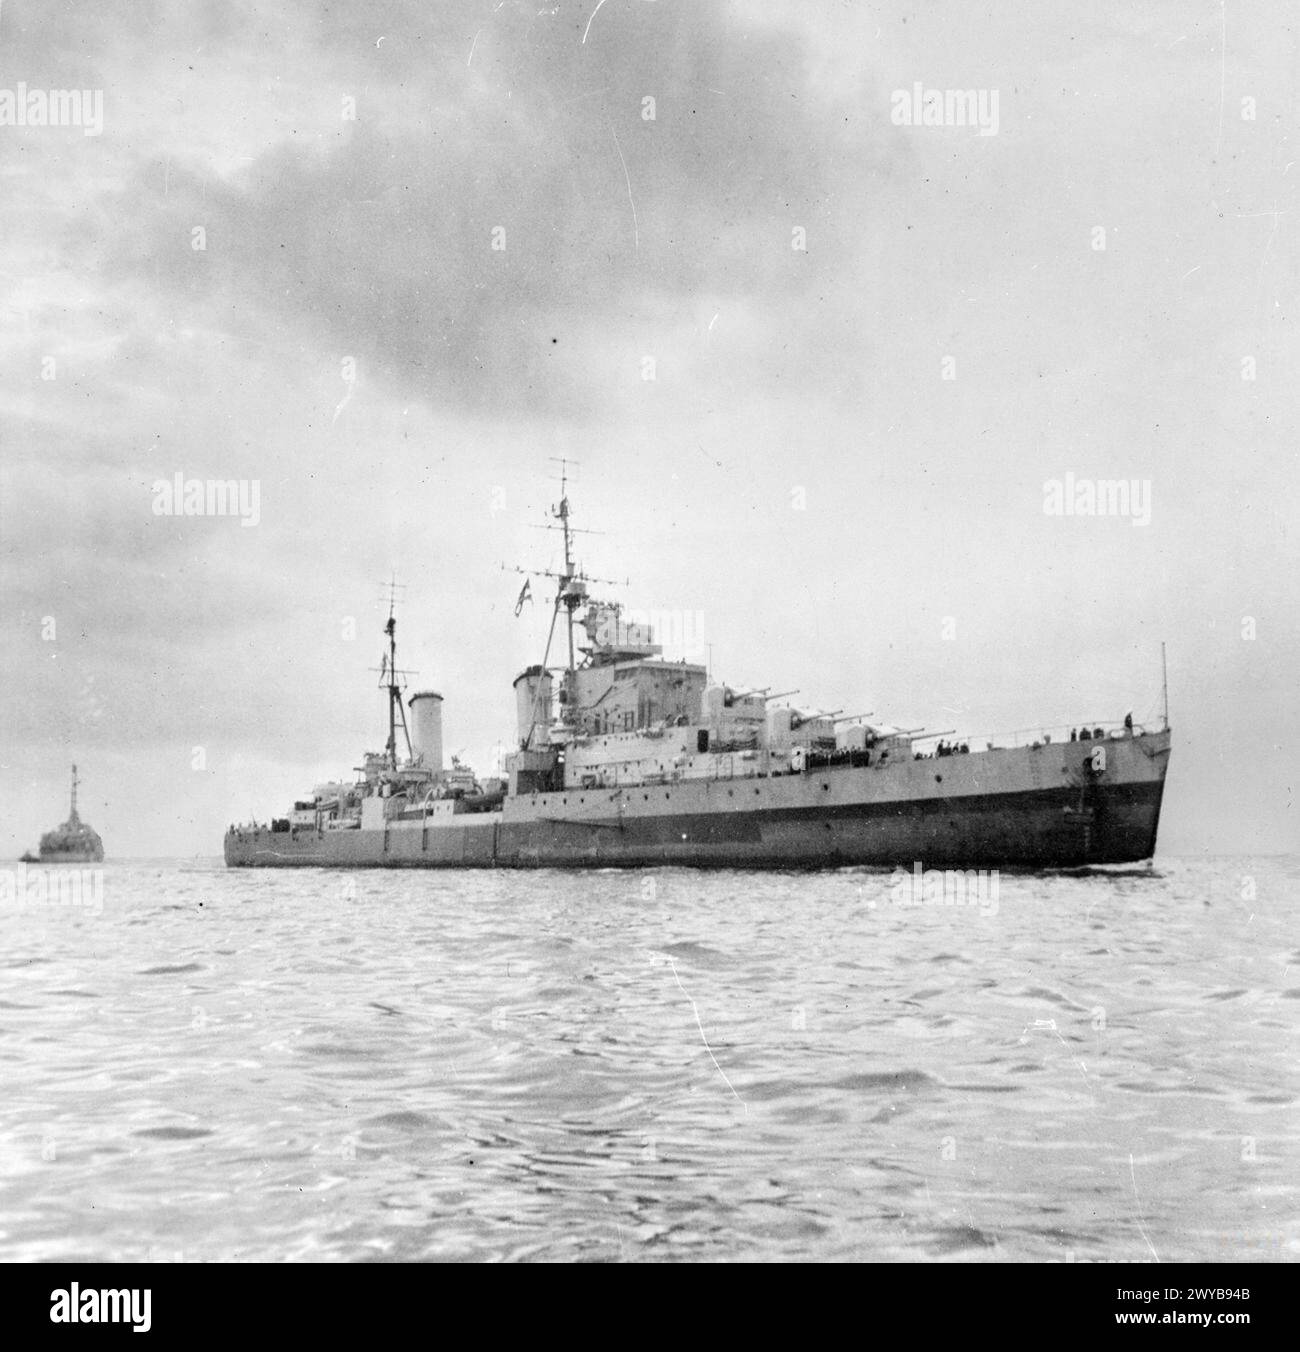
(1043, 828)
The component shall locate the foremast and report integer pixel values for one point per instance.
(571, 595)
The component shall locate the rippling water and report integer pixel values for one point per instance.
(307, 1065)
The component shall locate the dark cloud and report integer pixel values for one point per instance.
(380, 242)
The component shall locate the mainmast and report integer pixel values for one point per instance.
(388, 667)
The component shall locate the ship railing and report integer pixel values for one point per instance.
(1110, 730)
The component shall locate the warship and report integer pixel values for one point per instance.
(72, 843)
(625, 759)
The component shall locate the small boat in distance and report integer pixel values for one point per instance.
(74, 842)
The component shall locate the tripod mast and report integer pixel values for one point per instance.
(570, 594)
(388, 666)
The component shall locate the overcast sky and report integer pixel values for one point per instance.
(828, 460)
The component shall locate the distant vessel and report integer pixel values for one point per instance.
(72, 843)
(635, 762)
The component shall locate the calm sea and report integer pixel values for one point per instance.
(648, 1066)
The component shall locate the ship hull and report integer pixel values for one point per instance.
(67, 857)
(1029, 807)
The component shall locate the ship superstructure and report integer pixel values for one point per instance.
(625, 758)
